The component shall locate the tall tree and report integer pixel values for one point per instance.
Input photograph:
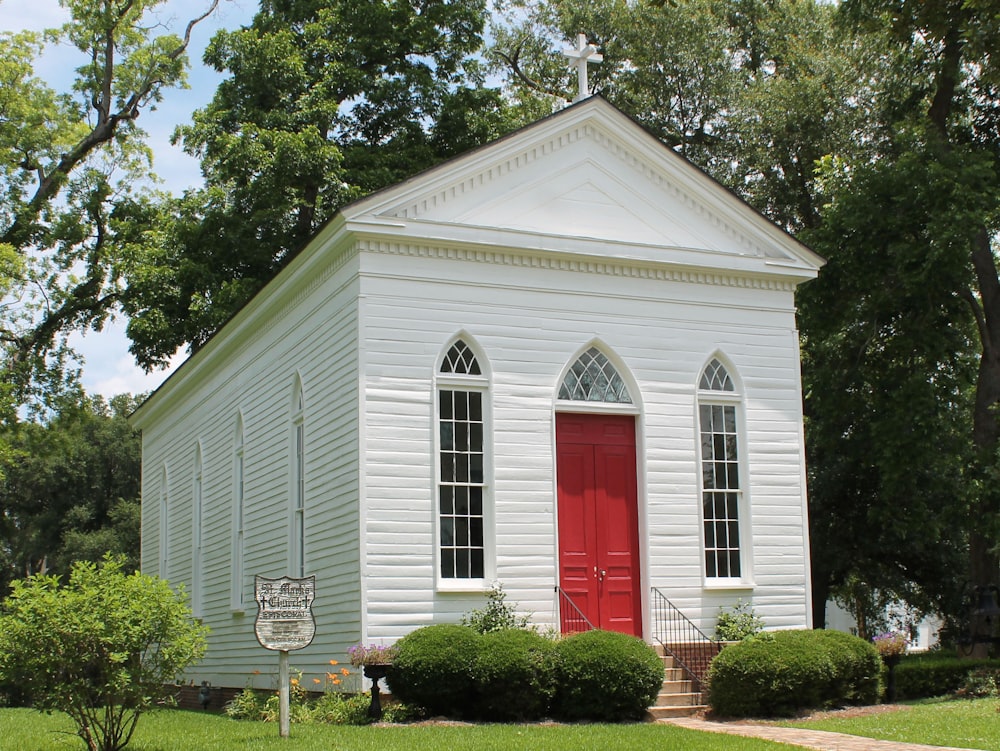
(941, 172)
(68, 164)
(324, 102)
(70, 488)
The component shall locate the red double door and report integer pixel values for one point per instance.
(598, 518)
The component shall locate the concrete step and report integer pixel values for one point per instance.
(662, 713)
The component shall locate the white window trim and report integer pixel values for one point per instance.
(726, 398)
(164, 562)
(297, 562)
(197, 531)
(237, 573)
(482, 384)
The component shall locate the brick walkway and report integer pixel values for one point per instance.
(816, 739)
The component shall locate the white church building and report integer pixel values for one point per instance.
(566, 362)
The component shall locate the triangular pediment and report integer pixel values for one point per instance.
(587, 177)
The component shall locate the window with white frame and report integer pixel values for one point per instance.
(164, 523)
(593, 378)
(197, 519)
(298, 551)
(462, 457)
(239, 518)
(722, 488)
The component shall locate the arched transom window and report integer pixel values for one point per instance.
(460, 359)
(462, 456)
(593, 378)
(722, 493)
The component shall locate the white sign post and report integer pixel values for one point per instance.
(284, 622)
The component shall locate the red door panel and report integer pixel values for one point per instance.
(598, 518)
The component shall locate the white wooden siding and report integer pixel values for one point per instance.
(320, 346)
(530, 322)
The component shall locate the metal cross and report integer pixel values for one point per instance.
(583, 53)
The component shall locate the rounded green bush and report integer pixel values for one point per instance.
(780, 673)
(433, 669)
(605, 675)
(515, 674)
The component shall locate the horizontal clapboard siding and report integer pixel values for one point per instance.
(530, 323)
(315, 342)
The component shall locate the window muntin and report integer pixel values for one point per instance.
(460, 359)
(462, 456)
(593, 378)
(715, 377)
(720, 473)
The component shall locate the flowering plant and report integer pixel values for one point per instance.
(890, 644)
(372, 654)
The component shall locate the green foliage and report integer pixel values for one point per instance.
(434, 668)
(738, 623)
(793, 670)
(70, 489)
(322, 103)
(606, 676)
(980, 683)
(248, 704)
(498, 615)
(933, 674)
(73, 165)
(99, 647)
(515, 674)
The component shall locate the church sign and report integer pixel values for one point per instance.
(284, 612)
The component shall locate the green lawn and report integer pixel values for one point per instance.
(936, 722)
(174, 730)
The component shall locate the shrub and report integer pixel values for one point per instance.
(336, 708)
(604, 675)
(433, 668)
(246, 705)
(923, 676)
(515, 676)
(793, 670)
(99, 648)
(498, 615)
(739, 623)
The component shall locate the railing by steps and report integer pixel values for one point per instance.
(679, 637)
(571, 618)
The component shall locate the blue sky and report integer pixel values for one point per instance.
(108, 367)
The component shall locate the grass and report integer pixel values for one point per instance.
(936, 722)
(175, 730)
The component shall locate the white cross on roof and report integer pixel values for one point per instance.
(582, 54)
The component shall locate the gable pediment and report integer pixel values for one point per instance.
(587, 175)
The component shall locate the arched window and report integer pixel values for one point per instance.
(463, 446)
(298, 506)
(593, 378)
(239, 516)
(722, 486)
(197, 519)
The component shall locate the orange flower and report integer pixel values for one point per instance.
(336, 681)
(334, 662)
(294, 681)
(316, 680)
(256, 672)
(331, 676)
(345, 671)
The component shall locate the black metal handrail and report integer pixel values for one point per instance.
(683, 640)
(571, 618)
